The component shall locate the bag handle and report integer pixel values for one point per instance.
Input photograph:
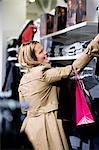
(77, 77)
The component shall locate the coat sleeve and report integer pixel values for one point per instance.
(22, 102)
(55, 74)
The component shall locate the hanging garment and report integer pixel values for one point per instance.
(66, 109)
(97, 67)
(12, 79)
(27, 33)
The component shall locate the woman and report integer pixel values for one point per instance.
(38, 88)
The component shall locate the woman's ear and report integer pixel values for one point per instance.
(33, 55)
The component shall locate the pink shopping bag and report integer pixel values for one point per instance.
(83, 113)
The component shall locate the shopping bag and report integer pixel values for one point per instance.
(83, 113)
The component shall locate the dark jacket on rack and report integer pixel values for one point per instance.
(12, 79)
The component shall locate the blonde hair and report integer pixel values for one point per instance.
(26, 55)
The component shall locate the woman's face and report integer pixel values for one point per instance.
(40, 53)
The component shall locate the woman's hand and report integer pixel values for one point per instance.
(91, 51)
(97, 38)
(93, 47)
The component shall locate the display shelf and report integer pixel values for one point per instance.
(63, 58)
(79, 32)
(65, 30)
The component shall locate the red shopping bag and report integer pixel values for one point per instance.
(83, 113)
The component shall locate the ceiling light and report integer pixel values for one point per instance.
(31, 1)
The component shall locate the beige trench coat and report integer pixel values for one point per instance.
(38, 88)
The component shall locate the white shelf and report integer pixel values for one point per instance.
(64, 58)
(84, 31)
(85, 26)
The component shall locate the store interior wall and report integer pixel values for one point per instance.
(14, 16)
(1, 44)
